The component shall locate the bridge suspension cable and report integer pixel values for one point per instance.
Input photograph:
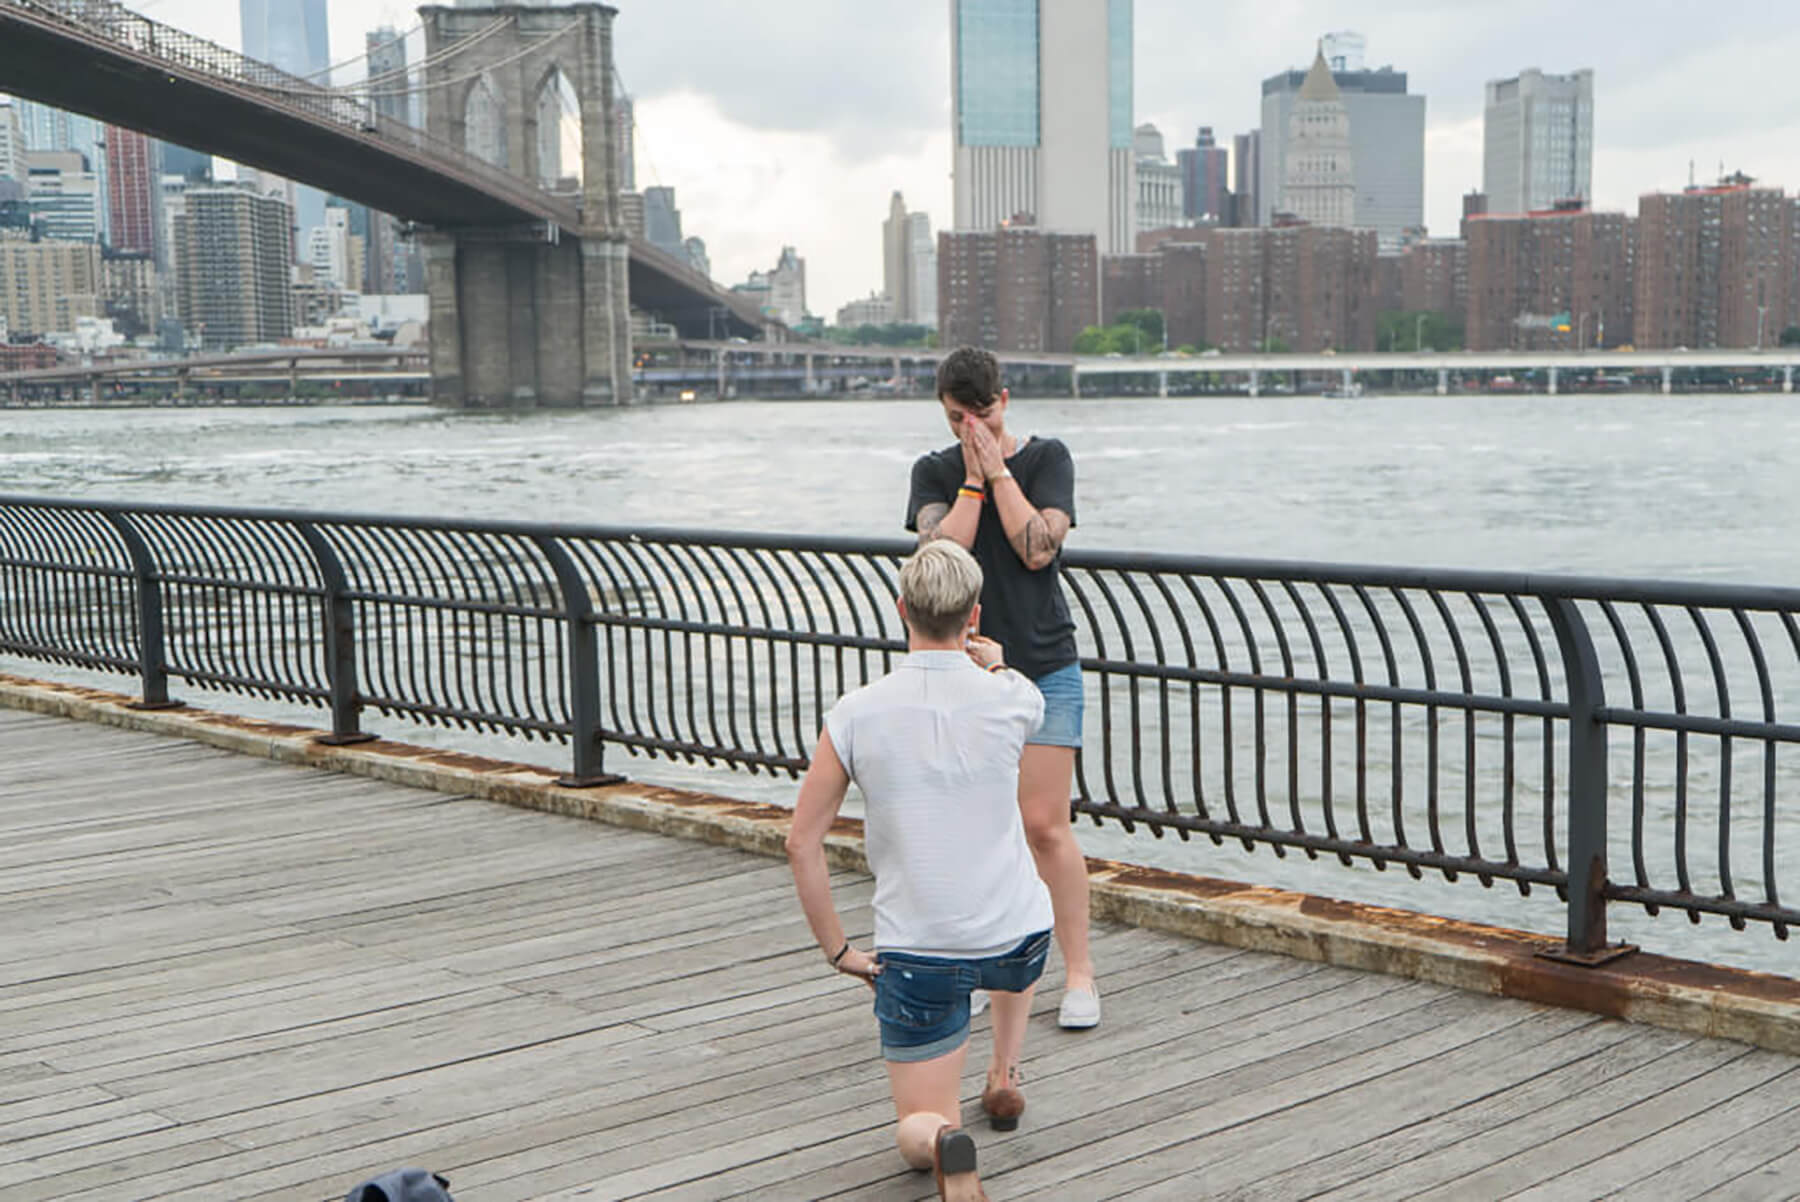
(363, 89)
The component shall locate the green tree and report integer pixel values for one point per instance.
(1150, 321)
(1412, 330)
(1791, 336)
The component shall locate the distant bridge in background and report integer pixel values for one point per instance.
(530, 288)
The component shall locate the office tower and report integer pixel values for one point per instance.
(45, 286)
(876, 309)
(63, 195)
(1319, 183)
(662, 220)
(233, 245)
(625, 118)
(1716, 266)
(1554, 280)
(130, 292)
(1537, 143)
(291, 35)
(42, 127)
(12, 143)
(386, 52)
(1246, 179)
(1387, 142)
(192, 165)
(1159, 202)
(696, 255)
(1205, 189)
(1017, 288)
(1042, 116)
(131, 187)
(909, 264)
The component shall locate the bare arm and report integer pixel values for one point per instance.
(821, 793)
(955, 522)
(1036, 535)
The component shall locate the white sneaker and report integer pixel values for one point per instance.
(978, 1002)
(1080, 1010)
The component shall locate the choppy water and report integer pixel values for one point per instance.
(1695, 487)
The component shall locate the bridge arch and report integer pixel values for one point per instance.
(557, 130)
(484, 121)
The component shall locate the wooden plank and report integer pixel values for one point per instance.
(229, 988)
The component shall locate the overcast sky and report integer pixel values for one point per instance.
(791, 121)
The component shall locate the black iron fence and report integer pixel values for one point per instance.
(1612, 740)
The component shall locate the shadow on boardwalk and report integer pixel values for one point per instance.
(223, 978)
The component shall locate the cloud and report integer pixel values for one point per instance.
(749, 192)
(791, 121)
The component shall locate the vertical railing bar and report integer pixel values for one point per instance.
(1634, 680)
(1587, 879)
(153, 661)
(583, 662)
(339, 638)
(1723, 692)
(1678, 692)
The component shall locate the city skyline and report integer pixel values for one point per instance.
(774, 135)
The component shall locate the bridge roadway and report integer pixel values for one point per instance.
(225, 978)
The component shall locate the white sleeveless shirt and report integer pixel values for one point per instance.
(935, 747)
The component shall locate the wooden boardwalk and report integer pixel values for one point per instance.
(223, 978)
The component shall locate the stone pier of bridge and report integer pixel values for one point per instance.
(534, 315)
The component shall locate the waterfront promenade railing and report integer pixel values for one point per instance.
(1612, 740)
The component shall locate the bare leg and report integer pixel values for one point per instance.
(927, 1096)
(1011, 1013)
(1046, 777)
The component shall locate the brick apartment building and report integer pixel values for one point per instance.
(1527, 270)
(1717, 266)
(1305, 287)
(1017, 288)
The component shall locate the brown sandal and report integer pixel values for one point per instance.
(1004, 1104)
(953, 1165)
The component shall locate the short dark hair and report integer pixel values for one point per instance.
(970, 376)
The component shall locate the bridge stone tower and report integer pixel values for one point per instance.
(537, 315)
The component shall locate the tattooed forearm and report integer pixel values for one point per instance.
(1031, 540)
(1037, 542)
(930, 518)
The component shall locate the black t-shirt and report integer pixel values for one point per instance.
(1022, 610)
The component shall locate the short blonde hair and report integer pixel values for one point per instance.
(940, 583)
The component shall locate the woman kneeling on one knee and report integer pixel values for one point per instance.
(935, 747)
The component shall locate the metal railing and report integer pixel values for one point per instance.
(1533, 729)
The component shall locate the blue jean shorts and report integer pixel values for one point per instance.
(1063, 699)
(922, 1002)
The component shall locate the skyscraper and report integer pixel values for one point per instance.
(232, 245)
(662, 220)
(1537, 141)
(131, 191)
(386, 51)
(1205, 190)
(1042, 115)
(909, 264)
(64, 196)
(291, 35)
(1319, 185)
(1159, 204)
(12, 142)
(52, 129)
(1387, 140)
(1246, 179)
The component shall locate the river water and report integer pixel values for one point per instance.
(1690, 487)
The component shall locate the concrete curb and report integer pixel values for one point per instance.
(1683, 995)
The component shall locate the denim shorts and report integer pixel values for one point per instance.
(922, 1002)
(1063, 696)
